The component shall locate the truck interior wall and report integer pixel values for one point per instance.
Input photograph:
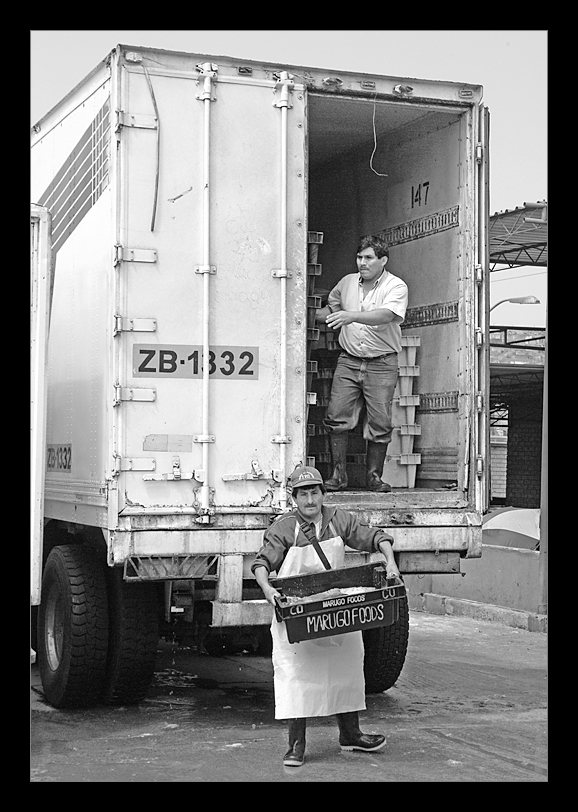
(425, 177)
(348, 199)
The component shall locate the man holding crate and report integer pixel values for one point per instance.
(318, 677)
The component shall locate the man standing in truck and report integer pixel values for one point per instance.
(367, 308)
(318, 677)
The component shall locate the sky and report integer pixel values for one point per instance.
(511, 65)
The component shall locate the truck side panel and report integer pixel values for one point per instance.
(71, 177)
(41, 276)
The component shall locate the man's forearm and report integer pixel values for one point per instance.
(373, 318)
(387, 551)
(322, 313)
(262, 578)
(382, 315)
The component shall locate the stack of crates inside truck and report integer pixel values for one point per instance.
(184, 376)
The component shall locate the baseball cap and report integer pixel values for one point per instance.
(305, 475)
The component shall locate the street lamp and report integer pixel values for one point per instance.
(518, 300)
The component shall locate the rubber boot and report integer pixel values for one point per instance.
(295, 756)
(375, 460)
(338, 480)
(351, 737)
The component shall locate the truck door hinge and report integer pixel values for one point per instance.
(122, 254)
(479, 153)
(479, 337)
(479, 402)
(129, 393)
(140, 122)
(479, 274)
(133, 464)
(134, 325)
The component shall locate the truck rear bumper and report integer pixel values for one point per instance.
(247, 613)
(465, 540)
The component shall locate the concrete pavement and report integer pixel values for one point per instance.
(469, 706)
(459, 607)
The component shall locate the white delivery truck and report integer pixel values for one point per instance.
(199, 208)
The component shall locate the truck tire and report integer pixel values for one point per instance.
(73, 627)
(133, 639)
(265, 642)
(385, 650)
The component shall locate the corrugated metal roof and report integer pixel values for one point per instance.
(520, 236)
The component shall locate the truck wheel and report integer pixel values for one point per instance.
(385, 650)
(265, 642)
(219, 645)
(133, 639)
(73, 627)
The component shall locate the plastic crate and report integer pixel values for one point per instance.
(342, 609)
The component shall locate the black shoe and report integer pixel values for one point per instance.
(335, 483)
(294, 757)
(376, 485)
(338, 479)
(376, 453)
(366, 742)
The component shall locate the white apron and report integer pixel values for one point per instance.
(316, 677)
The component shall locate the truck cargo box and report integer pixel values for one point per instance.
(201, 209)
